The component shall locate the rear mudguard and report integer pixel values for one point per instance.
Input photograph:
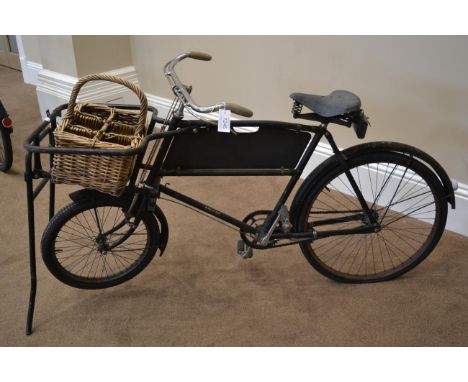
(88, 194)
(365, 148)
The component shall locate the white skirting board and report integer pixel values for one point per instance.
(54, 89)
(30, 71)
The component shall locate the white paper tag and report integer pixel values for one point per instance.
(224, 121)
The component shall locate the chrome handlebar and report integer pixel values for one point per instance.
(181, 91)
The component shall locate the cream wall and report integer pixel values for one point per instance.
(414, 89)
(79, 55)
(31, 48)
(57, 54)
(96, 54)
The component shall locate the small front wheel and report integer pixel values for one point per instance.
(6, 152)
(407, 203)
(82, 245)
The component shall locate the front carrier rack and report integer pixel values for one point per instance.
(34, 170)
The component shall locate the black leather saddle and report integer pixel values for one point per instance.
(336, 103)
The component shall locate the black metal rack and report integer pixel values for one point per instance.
(35, 171)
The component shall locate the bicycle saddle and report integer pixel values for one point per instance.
(336, 103)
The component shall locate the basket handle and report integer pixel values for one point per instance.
(107, 77)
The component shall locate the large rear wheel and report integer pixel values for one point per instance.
(407, 201)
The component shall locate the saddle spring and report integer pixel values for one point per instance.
(296, 108)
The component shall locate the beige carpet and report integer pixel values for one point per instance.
(201, 293)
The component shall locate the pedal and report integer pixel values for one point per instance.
(243, 250)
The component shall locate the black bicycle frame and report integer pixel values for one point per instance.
(158, 170)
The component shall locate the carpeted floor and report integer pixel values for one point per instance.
(200, 293)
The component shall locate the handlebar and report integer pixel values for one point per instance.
(181, 91)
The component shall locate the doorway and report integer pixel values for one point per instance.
(9, 53)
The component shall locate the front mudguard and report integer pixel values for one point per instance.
(367, 148)
(89, 194)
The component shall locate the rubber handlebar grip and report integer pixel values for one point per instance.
(200, 56)
(239, 110)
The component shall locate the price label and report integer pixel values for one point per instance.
(224, 121)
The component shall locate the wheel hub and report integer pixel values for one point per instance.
(101, 244)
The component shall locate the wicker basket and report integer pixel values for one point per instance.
(102, 127)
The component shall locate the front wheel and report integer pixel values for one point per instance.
(6, 152)
(79, 245)
(406, 200)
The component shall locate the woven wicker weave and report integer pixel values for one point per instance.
(98, 126)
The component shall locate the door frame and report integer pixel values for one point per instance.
(7, 57)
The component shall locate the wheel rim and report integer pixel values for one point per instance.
(84, 253)
(406, 210)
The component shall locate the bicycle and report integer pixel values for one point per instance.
(6, 152)
(368, 213)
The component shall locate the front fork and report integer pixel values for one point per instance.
(143, 200)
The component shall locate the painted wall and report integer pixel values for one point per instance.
(31, 48)
(57, 54)
(101, 53)
(414, 89)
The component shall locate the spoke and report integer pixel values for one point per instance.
(406, 238)
(376, 179)
(86, 235)
(409, 198)
(73, 241)
(118, 260)
(351, 193)
(73, 235)
(335, 199)
(387, 247)
(370, 182)
(338, 251)
(406, 229)
(384, 177)
(336, 240)
(123, 258)
(381, 255)
(91, 266)
(384, 185)
(359, 242)
(365, 256)
(68, 255)
(391, 201)
(97, 221)
(135, 250)
(409, 213)
(87, 222)
(77, 259)
(80, 271)
(359, 177)
(88, 231)
(393, 245)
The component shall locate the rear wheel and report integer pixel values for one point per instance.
(78, 252)
(6, 152)
(405, 197)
